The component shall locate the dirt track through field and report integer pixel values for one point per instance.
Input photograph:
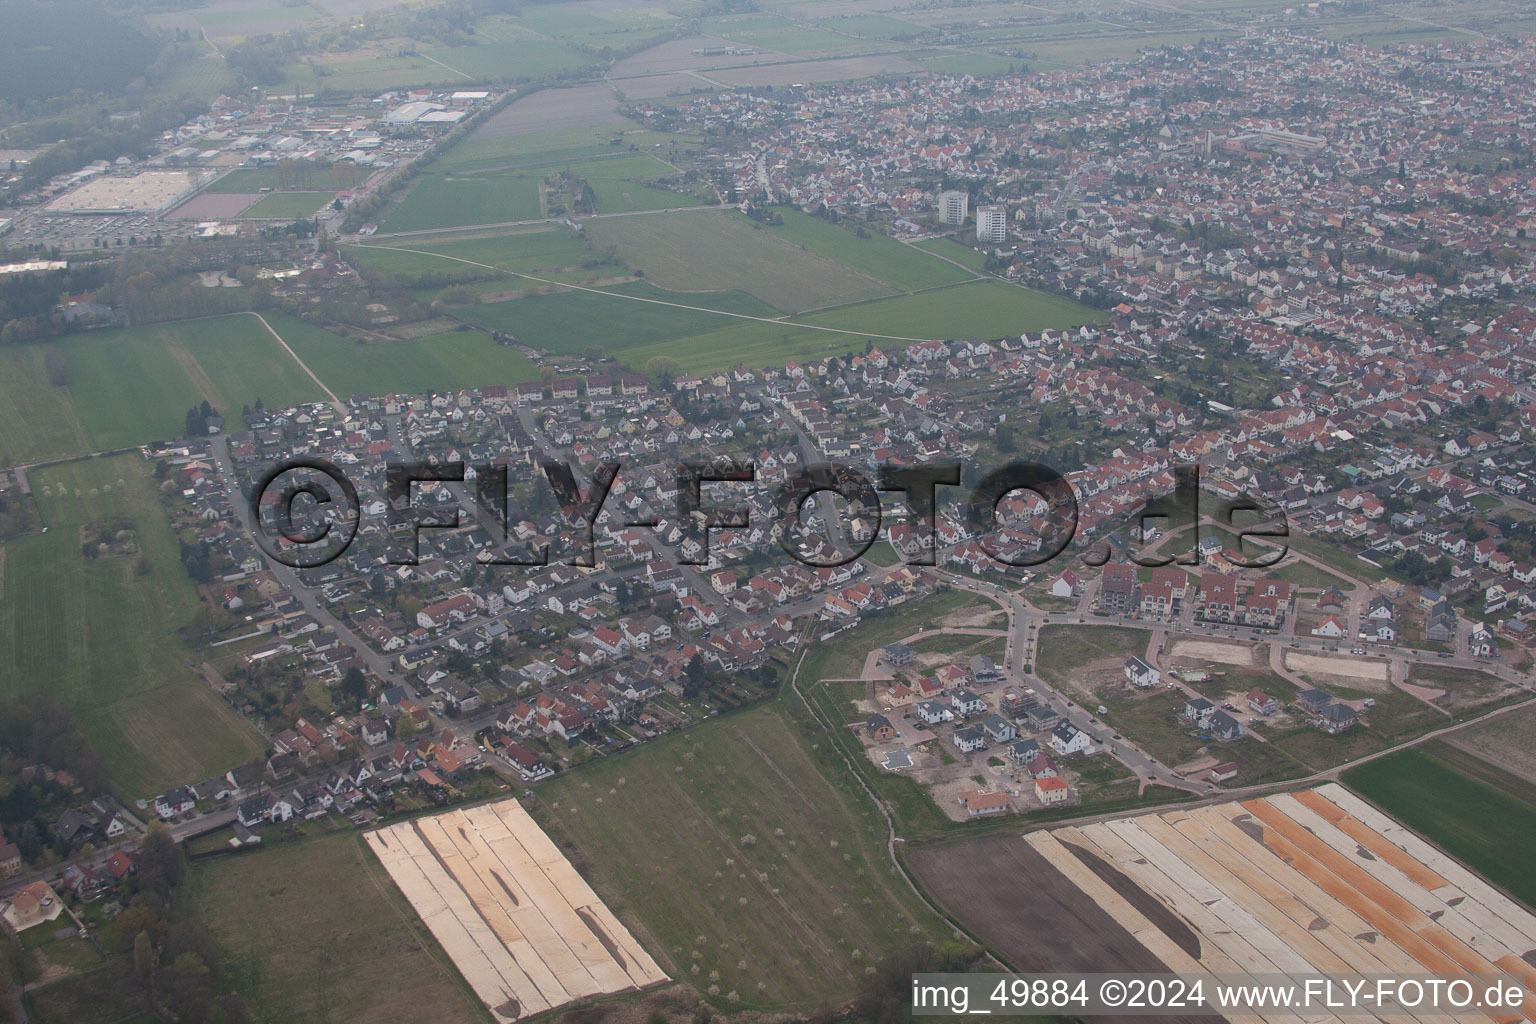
(195, 371)
(336, 403)
(781, 321)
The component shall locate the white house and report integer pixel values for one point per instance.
(1330, 627)
(970, 739)
(1067, 738)
(966, 702)
(932, 712)
(1065, 585)
(1142, 675)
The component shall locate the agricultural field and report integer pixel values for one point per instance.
(712, 250)
(365, 75)
(540, 130)
(953, 250)
(134, 385)
(37, 419)
(570, 322)
(1508, 741)
(526, 251)
(771, 32)
(968, 63)
(102, 634)
(335, 938)
(621, 184)
(439, 362)
(1310, 881)
(878, 255)
(303, 175)
(447, 200)
(1471, 809)
(508, 61)
(288, 206)
(736, 863)
(1014, 899)
(983, 309)
(743, 343)
(700, 341)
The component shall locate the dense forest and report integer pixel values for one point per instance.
(53, 48)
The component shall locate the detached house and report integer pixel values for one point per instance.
(1142, 675)
(1068, 739)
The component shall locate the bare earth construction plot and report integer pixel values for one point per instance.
(1317, 880)
(520, 924)
(1314, 881)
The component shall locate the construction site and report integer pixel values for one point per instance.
(1313, 881)
(1316, 881)
(521, 925)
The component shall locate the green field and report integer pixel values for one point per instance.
(288, 206)
(953, 250)
(969, 63)
(727, 850)
(439, 362)
(622, 183)
(716, 250)
(771, 32)
(101, 634)
(483, 150)
(304, 175)
(1481, 824)
(367, 75)
(878, 255)
(871, 26)
(748, 343)
(447, 198)
(134, 385)
(508, 61)
(315, 930)
(447, 201)
(525, 250)
(573, 321)
(983, 309)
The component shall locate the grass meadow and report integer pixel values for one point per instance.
(737, 862)
(130, 386)
(526, 251)
(879, 256)
(438, 362)
(336, 941)
(102, 634)
(446, 200)
(288, 206)
(1485, 825)
(712, 250)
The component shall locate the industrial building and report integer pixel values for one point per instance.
(145, 192)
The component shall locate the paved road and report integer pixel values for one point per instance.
(381, 666)
(1023, 626)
